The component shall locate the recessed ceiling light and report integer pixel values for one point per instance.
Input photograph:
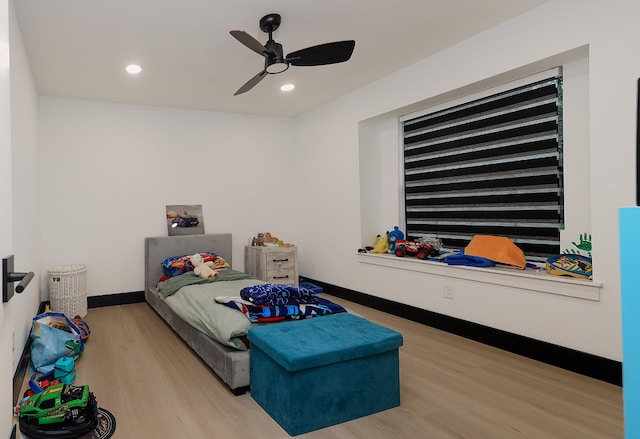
(287, 87)
(134, 69)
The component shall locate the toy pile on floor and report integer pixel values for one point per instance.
(52, 406)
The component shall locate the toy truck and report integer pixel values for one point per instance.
(61, 411)
(419, 249)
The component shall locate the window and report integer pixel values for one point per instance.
(491, 166)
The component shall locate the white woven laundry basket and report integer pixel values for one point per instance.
(68, 289)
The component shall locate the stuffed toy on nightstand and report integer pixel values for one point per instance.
(201, 268)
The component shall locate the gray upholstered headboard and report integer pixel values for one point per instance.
(158, 248)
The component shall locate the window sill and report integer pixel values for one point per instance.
(532, 280)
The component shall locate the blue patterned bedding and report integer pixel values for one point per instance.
(269, 313)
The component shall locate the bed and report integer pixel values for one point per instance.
(231, 365)
(204, 312)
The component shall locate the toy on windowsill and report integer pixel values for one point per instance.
(201, 268)
(420, 249)
(574, 265)
(394, 236)
(572, 262)
(382, 244)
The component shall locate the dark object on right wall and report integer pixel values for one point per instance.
(638, 147)
(274, 59)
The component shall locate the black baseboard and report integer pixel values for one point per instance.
(115, 299)
(583, 363)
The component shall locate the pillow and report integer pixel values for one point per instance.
(175, 265)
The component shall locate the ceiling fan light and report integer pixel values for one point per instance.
(133, 69)
(277, 67)
(287, 87)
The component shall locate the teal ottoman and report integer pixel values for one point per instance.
(314, 373)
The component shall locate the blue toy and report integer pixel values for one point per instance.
(394, 236)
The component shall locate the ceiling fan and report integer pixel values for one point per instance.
(274, 59)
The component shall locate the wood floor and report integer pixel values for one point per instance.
(450, 388)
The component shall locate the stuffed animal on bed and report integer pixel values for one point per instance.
(201, 268)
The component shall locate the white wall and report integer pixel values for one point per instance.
(109, 170)
(26, 188)
(18, 197)
(329, 138)
(6, 245)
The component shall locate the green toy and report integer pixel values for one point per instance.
(59, 411)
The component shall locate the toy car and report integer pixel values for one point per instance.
(62, 411)
(185, 221)
(419, 249)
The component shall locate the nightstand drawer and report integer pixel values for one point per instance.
(280, 261)
(281, 276)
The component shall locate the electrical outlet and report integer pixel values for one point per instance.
(447, 292)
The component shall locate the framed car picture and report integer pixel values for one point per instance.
(185, 219)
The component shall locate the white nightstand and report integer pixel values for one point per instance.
(278, 265)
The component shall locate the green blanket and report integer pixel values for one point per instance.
(171, 286)
(196, 305)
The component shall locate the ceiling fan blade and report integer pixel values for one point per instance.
(249, 41)
(329, 53)
(251, 83)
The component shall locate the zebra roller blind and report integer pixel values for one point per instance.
(492, 166)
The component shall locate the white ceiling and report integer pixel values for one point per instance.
(79, 48)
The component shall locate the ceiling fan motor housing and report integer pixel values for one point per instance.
(274, 61)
